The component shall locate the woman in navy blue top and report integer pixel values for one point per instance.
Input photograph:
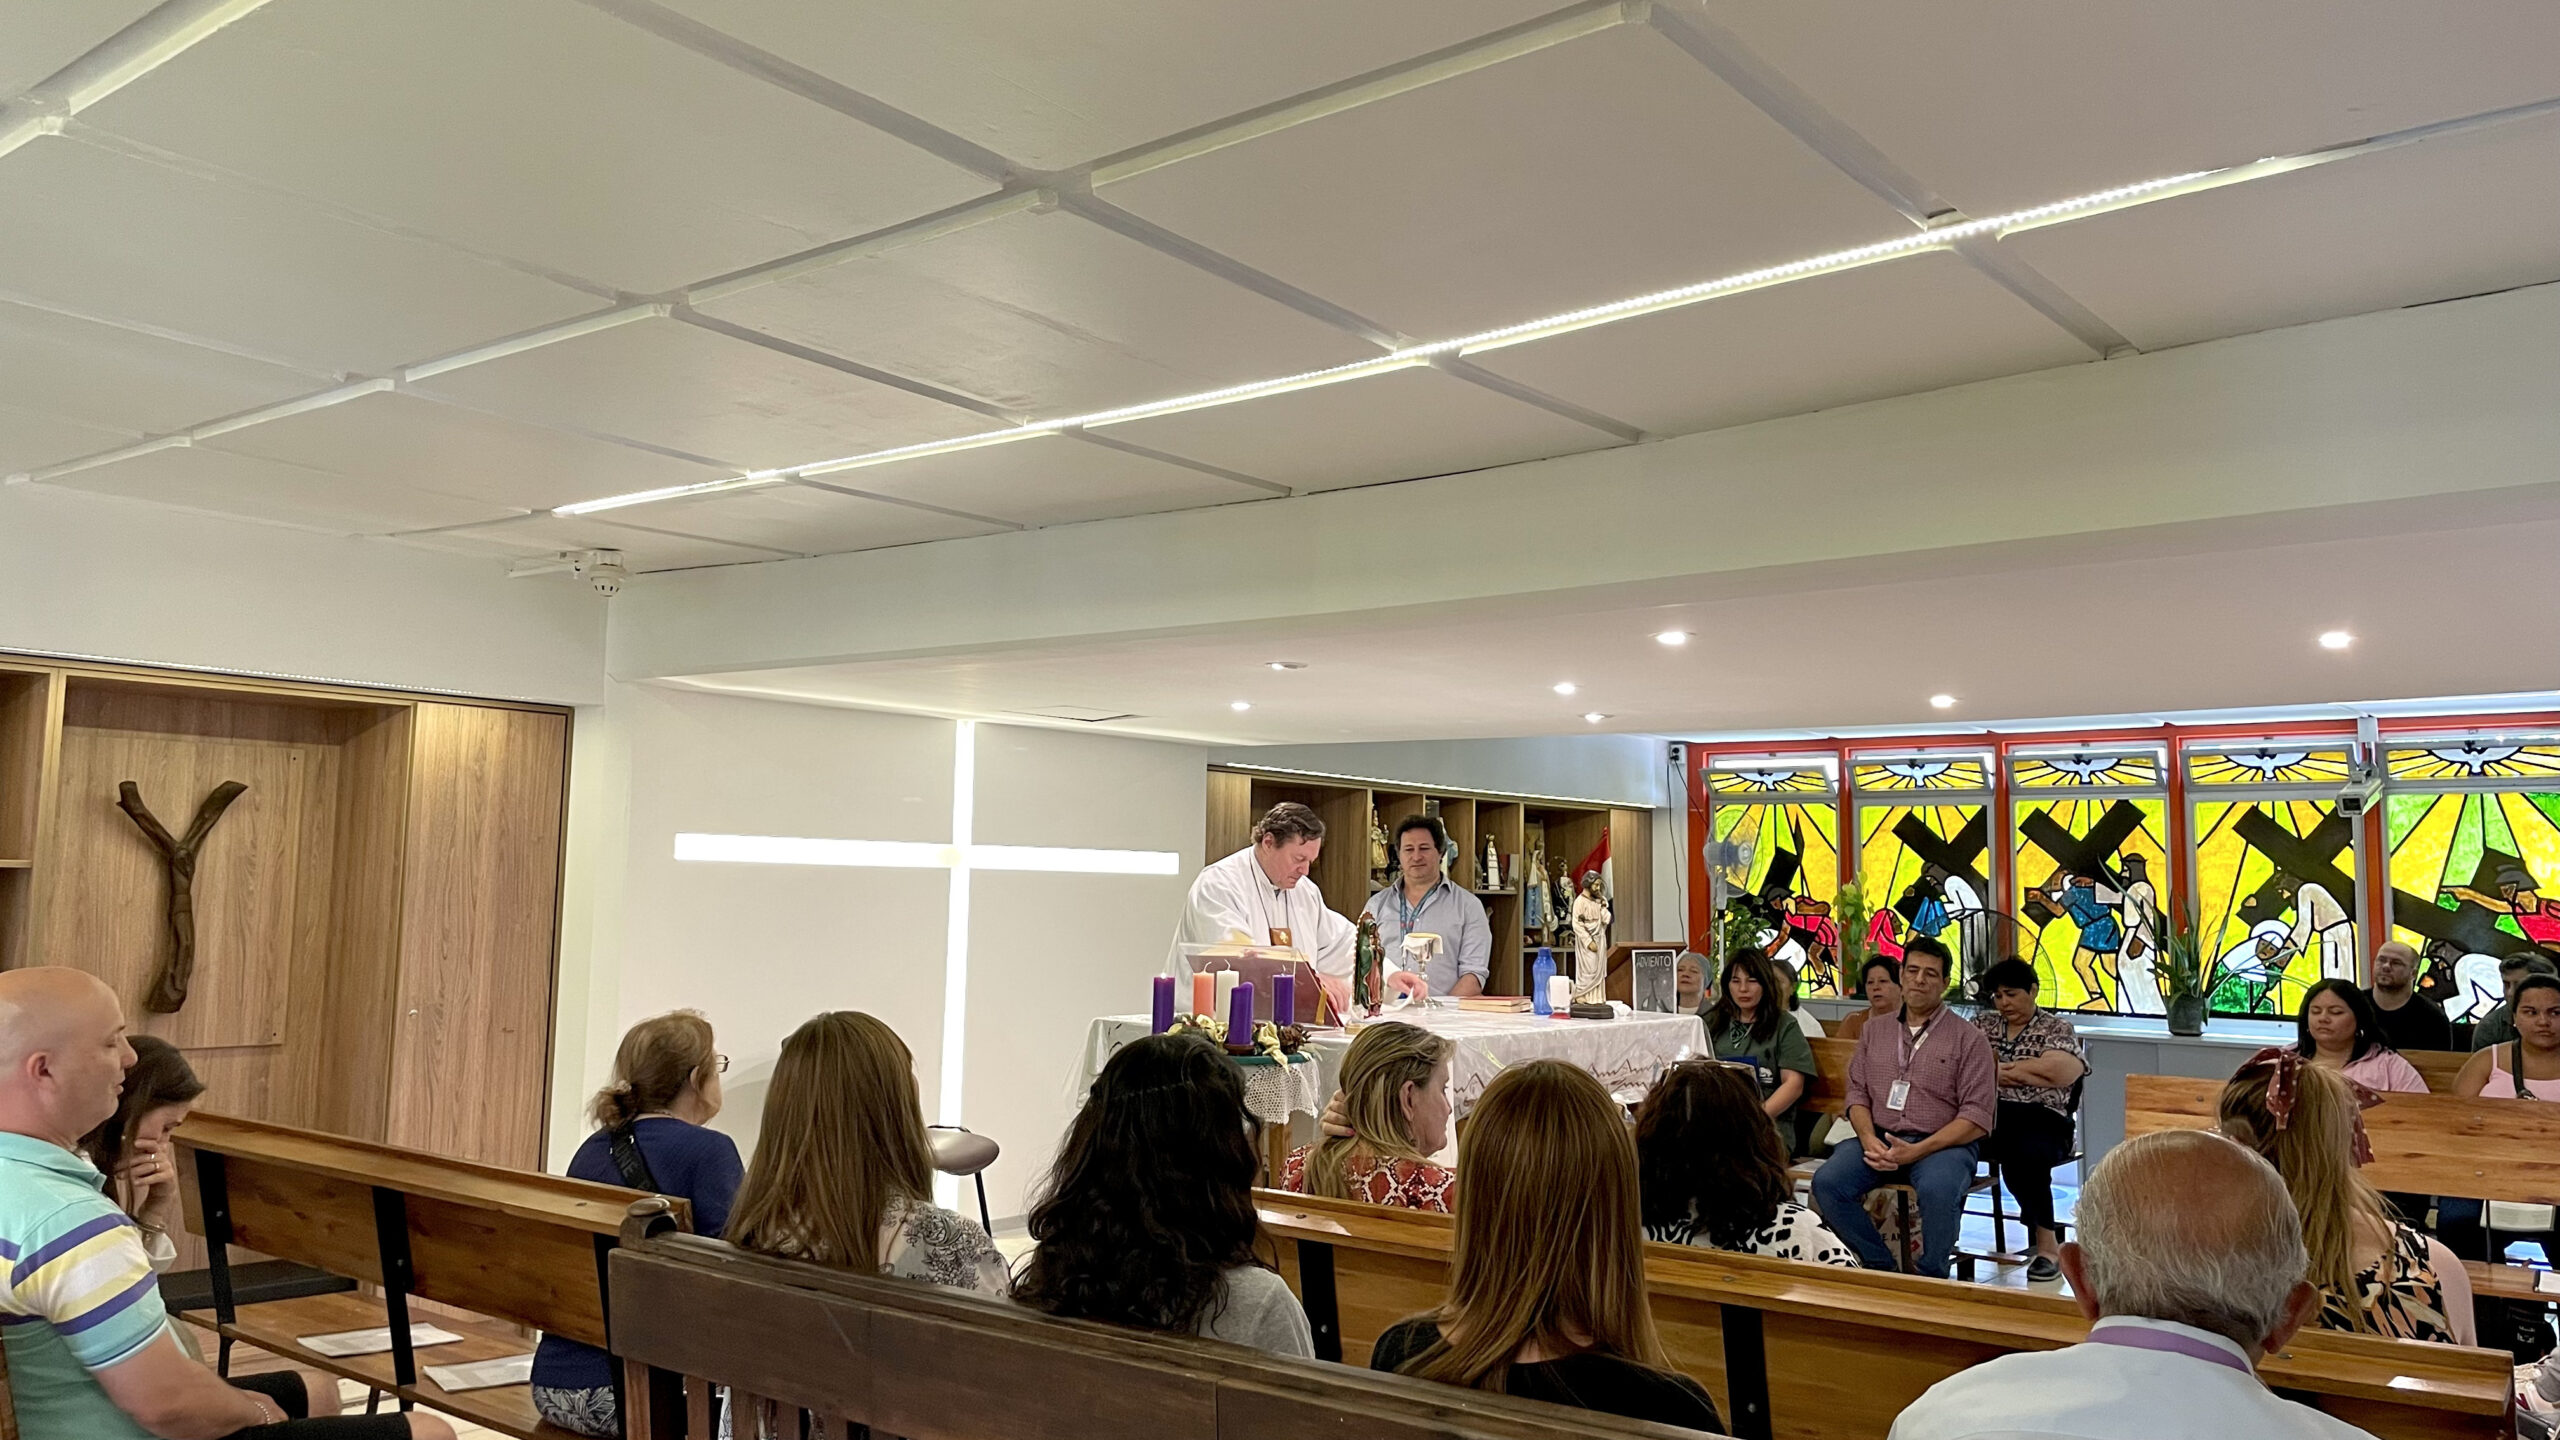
(649, 1135)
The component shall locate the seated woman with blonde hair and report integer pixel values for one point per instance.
(2376, 1274)
(1395, 1103)
(1546, 1280)
(843, 1175)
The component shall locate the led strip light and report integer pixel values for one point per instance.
(1938, 237)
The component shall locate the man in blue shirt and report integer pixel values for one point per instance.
(90, 1351)
(1423, 901)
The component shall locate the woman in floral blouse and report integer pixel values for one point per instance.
(1395, 1102)
(2040, 1060)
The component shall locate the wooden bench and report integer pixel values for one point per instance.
(1814, 1352)
(517, 1251)
(2437, 1067)
(817, 1352)
(2434, 1144)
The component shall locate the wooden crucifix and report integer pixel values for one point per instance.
(169, 986)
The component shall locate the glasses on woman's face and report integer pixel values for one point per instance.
(723, 1063)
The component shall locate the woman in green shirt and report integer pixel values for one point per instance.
(1749, 1023)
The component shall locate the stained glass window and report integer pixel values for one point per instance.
(1769, 778)
(2467, 872)
(2275, 764)
(1773, 851)
(1926, 870)
(2084, 769)
(1923, 772)
(2477, 760)
(2087, 874)
(2275, 899)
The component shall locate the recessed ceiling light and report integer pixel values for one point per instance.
(1943, 702)
(1594, 716)
(1564, 687)
(2336, 640)
(1239, 705)
(1672, 637)
(1288, 664)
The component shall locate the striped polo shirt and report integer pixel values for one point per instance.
(77, 1293)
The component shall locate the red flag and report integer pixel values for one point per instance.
(1592, 862)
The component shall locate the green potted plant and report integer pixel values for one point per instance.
(1849, 912)
(2186, 978)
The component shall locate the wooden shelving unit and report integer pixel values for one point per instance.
(1569, 829)
(375, 915)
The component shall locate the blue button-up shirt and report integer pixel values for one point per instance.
(1455, 916)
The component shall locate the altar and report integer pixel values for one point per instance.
(1627, 1054)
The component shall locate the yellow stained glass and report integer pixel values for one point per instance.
(1788, 857)
(2275, 900)
(2088, 770)
(2467, 873)
(2476, 760)
(2269, 765)
(2090, 942)
(1923, 772)
(1772, 779)
(1925, 871)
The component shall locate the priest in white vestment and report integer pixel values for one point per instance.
(1263, 895)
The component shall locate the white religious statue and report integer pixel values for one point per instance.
(1590, 942)
(1492, 866)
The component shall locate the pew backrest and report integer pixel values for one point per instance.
(510, 1244)
(2437, 1067)
(1829, 1092)
(814, 1351)
(1814, 1352)
(2423, 1144)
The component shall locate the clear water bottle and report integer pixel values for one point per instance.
(1539, 975)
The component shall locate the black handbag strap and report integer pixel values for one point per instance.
(623, 1141)
(2518, 1072)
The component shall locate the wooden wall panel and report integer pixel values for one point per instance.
(26, 711)
(479, 916)
(1631, 877)
(109, 903)
(346, 1063)
(1231, 814)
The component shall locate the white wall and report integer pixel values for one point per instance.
(101, 578)
(761, 948)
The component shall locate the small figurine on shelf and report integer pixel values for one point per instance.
(1492, 864)
(1367, 968)
(1379, 859)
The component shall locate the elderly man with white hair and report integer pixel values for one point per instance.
(89, 1346)
(2190, 1263)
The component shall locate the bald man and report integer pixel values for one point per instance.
(91, 1354)
(2408, 1020)
(2189, 1264)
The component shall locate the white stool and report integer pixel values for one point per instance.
(960, 1151)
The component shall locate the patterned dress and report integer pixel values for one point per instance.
(1794, 1233)
(2401, 1290)
(1405, 1184)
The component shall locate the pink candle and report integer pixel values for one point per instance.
(1203, 986)
(1163, 1016)
(1240, 1015)
(1284, 999)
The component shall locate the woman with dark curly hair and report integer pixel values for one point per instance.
(1147, 1218)
(1710, 1173)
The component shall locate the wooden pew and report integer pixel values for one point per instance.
(2437, 1067)
(1829, 1091)
(830, 1350)
(1813, 1352)
(519, 1251)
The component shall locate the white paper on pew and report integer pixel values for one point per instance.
(2547, 1282)
(375, 1341)
(483, 1374)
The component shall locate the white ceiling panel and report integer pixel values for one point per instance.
(1999, 104)
(105, 235)
(537, 129)
(1050, 85)
(127, 380)
(1397, 426)
(1892, 329)
(807, 519)
(1055, 480)
(643, 548)
(253, 489)
(38, 37)
(685, 388)
(1048, 315)
(2455, 216)
(406, 440)
(1587, 172)
(30, 440)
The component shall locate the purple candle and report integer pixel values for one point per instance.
(1240, 1015)
(1284, 999)
(1164, 1004)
